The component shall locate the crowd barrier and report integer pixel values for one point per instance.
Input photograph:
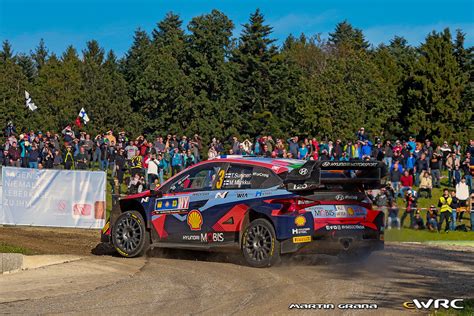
(59, 198)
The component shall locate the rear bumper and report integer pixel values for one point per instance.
(332, 245)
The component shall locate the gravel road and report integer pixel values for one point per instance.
(185, 282)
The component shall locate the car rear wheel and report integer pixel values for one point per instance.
(260, 247)
(129, 235)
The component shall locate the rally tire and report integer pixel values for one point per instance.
(260, 248)
(129, 235)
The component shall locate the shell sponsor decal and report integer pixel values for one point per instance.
(300, 220)
(350, 211)
(301, 239)
(195, 220)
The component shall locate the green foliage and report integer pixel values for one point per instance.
(435, 92)
(207, 82)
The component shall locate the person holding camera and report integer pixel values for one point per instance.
(432, 218)
(409, 209)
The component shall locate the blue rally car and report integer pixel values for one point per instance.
(260, 206)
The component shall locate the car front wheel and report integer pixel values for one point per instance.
(129, 235)
(260, 247)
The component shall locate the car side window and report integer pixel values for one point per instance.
(197, 179)
(237, 177)
(263, 178)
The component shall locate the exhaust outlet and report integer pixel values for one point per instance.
(346, 243)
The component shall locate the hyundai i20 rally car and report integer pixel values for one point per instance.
(260, 206)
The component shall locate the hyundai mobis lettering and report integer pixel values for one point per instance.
(262, 207)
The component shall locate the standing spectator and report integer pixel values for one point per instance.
(15, 155)
(383, 200)
(445, 210)
(136, 164)
(406, 181)
(120, 166)
(393, 218)
(104, 156)
(235, 145)
(426, 184)
(293, 146)
(33, 157)
(88, 145)
(153, 168)
(432, 218)
(176, 161)
(395, 175)
(196, 146)
(69, 158)
(188, 159)
(411, 144)
(409, 208)
(466, 169)
(68, 134)
(454, 210)
(131, 149)
(81, 159)
(10, 129)
(212, 153)
(450, 163)
(410, 162)
(267, 153)
(58, 159)
(462, 195)
(435, 166)
(161, 167)
(361, 134)
(456, 175)
(420, 165)
(337, 151)
(388, 154)
(302, 151)
(445, 152)
(48, 159)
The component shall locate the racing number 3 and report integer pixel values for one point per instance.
(220, 179)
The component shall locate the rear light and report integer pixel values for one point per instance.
(293, 205)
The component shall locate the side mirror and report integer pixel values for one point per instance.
(156, 193)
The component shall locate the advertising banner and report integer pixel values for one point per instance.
(61, 198)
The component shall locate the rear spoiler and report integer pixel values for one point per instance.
(315, 174)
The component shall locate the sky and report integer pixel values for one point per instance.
(73, 22)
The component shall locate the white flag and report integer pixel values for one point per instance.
(83, 115)
(29, 103)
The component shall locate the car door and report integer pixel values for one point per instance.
(178, 216)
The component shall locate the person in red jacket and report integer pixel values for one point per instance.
(406, 181)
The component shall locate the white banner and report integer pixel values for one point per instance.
(61, 198)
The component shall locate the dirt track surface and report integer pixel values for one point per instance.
(45, 240)
(181, 282)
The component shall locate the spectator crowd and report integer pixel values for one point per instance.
(144, 162)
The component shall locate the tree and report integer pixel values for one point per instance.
(435, 92)
(12, 89)
(40, 55)
(163, 90)
(135, 63)
(254, 63)
(214, 108)
(347, 36)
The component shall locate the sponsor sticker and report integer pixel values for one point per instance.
(301, 239)
(300, 231)
(300, 220)
(194, 220)
(181, 203)
(221, 195)
(212, 237)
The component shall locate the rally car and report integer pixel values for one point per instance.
(260, 206)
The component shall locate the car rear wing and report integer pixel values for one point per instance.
(316, 174)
